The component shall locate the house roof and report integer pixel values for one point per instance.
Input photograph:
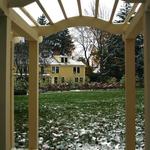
(54, 61)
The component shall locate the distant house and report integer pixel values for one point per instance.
(61, 69)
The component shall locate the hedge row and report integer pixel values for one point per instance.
(86, 86)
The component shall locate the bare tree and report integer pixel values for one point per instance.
(83, 36)
(93, 41)
(21, 59)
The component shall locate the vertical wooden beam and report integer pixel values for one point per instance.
(79, 7)
(12, 140)
(147, 78)
(33, 94)
(96, 8)
(130, 93)
(113, 11)
(5, 30)
(44, 12)
(29, 16)
(62, 9)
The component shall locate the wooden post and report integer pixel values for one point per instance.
(33, 94)
(5, 31)
(130, 93)
(147, 78)
(12, 140)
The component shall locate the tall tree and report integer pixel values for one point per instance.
(100, 52)
(84, 37)
(42, 20)
(116, 49)
(21, 62)
(139, 47)
(123, 12)
(115, 63)
(21, 59)
(61, 42)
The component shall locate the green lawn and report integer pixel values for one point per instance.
(79, 120)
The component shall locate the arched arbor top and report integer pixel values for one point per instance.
(81, 21)
(61, 14)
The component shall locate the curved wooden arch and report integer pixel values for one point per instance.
(19, 3)
(81, 21)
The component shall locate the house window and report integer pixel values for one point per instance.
(55, 80)
(55, 69)
(81, 80)
(64, 59)
(76, 79)
(76, 69)
(62, 79)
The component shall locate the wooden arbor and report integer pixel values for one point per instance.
(13, 25)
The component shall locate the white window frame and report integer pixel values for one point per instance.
(76, 70)
(55, 69)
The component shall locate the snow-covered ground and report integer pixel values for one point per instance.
(83, 126)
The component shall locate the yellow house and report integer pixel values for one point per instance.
(62, 69)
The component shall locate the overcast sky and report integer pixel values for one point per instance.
(53, 9)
